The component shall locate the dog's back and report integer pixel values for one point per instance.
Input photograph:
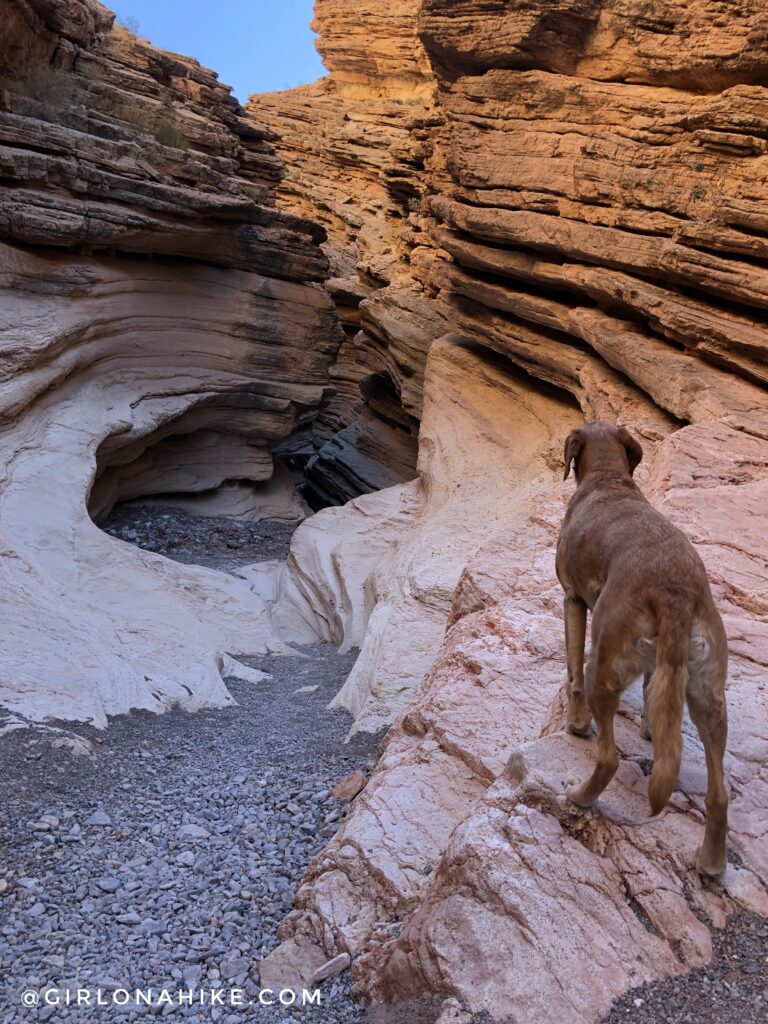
(612, 536)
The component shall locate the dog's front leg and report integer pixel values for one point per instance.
(604, 700)
(575, 633)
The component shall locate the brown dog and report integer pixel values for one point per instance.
(652, 615)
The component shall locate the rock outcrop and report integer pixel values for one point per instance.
(162, 330)
(590, 213)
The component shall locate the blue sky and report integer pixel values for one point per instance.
(253, 45)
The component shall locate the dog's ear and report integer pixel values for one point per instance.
(633, 449)
(574, 444)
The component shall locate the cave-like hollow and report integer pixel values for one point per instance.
(217, 460)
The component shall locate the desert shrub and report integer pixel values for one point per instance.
(167, 134)
(51, 93)
(128, 28)
(130, 23)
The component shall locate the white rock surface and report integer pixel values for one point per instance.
(276, 498)
(380, 572)
(93, 626)
(161, 330)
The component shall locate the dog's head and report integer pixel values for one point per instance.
(600, 444)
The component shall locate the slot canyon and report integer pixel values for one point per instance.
(375, 306)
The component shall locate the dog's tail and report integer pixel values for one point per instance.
(665, 698)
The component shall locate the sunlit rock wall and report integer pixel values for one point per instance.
(591, 214)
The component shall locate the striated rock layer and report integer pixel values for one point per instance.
(162, 330)
(590, 211)
(355, 145)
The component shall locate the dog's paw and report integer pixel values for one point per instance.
(713, 866)
(572, 786)
(574, 791)
(585, 731)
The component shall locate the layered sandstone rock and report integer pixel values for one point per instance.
(355, 145)
(592, 212)
(162, 331)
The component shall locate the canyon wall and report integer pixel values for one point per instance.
(355, 145)
(587, 218)
(163, 329)
(412, 278)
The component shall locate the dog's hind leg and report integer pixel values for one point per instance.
(709, 715)
(575, 613)
(646, 729)
(604, 702)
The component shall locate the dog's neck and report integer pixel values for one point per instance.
(606, 463)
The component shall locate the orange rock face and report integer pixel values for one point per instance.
(355, 145)
(588, 186)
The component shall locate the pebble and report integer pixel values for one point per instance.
(109, 884)
(193, 832)
(332, 968)
(99, 818)
(129, 918)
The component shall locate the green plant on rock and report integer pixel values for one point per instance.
(167, 134)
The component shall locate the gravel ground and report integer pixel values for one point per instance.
(168, 857)
(216, 542)
(733, 989)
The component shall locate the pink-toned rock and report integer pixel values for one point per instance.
(518, 870)
(451, 1012)
(331, 968)
(347, 788)
(479, 850)
(292, 964)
